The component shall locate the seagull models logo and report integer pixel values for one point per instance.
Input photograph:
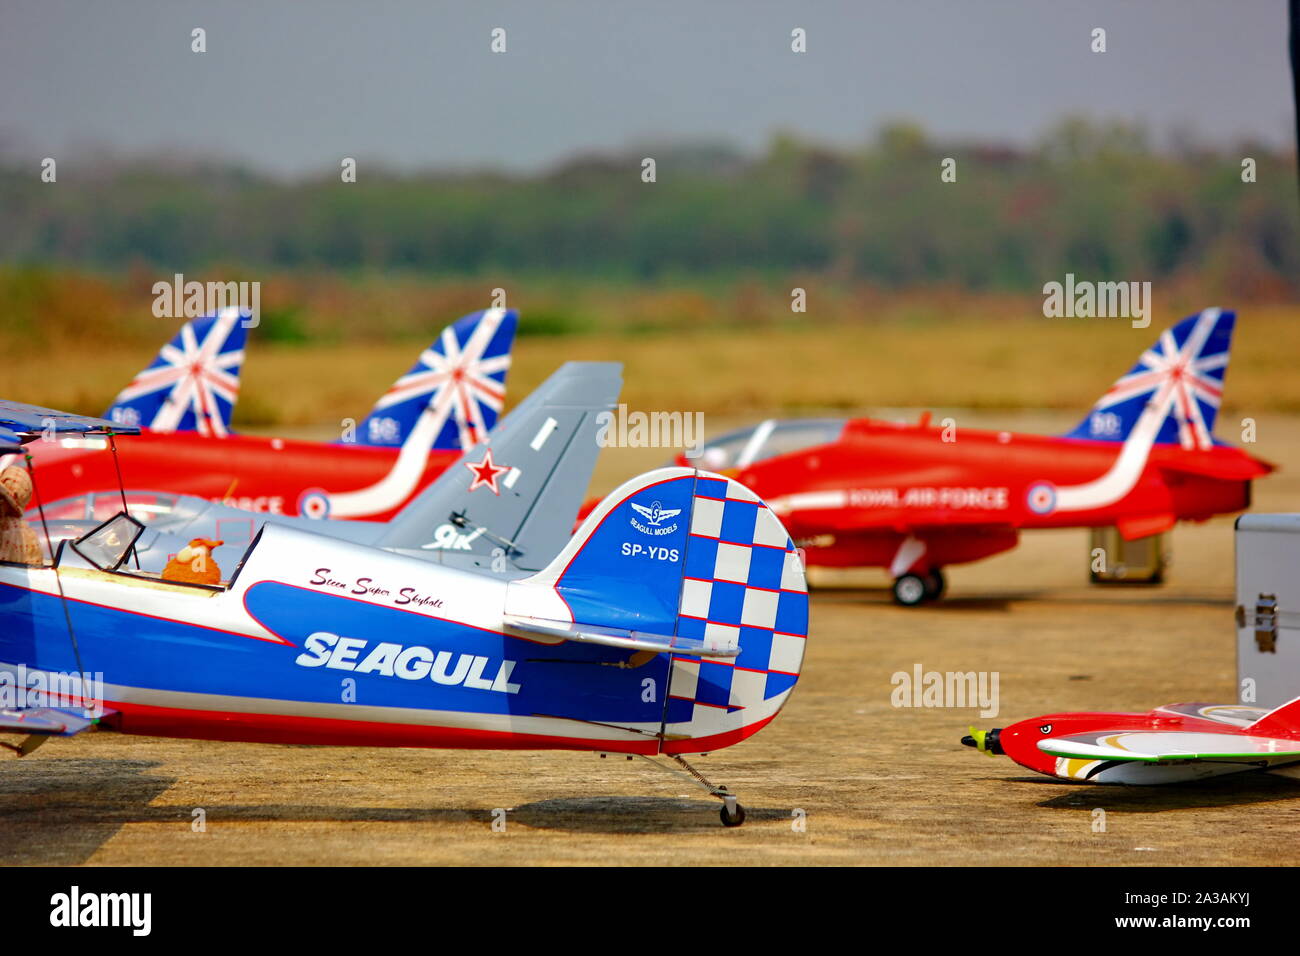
(654, 516)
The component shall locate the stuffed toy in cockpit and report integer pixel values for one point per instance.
(18, 542)
(194, 564)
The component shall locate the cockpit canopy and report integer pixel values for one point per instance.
(144, 506)
(768, 439)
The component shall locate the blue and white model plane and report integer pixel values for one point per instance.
(681, 638)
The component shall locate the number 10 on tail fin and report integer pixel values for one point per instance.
(692, 565)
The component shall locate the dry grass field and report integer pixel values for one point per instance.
(992, 354)
(876, 784)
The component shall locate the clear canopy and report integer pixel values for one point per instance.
(768, 439)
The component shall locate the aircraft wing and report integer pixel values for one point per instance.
(1172, 745)
(10, 441)
(45, 720)
(22, 419)
(624, 638)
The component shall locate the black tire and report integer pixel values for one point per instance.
(910, 590)
(935, 584)
(732, 821)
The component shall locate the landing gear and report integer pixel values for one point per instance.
(937, 585)
(913, 589)
(732, 813)
(910, 590)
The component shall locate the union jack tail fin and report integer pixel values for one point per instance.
(462, 376)
(693, 565)
(193, 383)
(1180, 377)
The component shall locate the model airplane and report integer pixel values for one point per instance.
(1171, 744)
(183, 403)
(914, 498)
(519, 512)
(685, 641)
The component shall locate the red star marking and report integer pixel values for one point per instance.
(485, 472)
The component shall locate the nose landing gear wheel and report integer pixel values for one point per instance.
(910, 590)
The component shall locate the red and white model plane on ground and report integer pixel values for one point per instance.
(914, 498)
(1174, 743)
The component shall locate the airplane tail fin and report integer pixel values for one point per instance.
(1281, 720)
(691, 564)
(461, 376)
(1180, 377)
(511, 501)
(193, 383)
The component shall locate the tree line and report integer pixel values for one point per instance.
(1094, 199)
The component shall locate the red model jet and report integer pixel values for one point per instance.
(1174, 743)
(447, 402)
(913, 498)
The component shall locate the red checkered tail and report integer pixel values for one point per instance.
(690, 564)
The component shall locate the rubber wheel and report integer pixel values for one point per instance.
(732, 821)
(910, 590)
(935, 585)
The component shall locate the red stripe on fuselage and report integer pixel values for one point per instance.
(150, 720)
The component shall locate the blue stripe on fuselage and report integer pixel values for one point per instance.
(563, 680)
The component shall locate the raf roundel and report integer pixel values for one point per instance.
(1041, 498)
(314, 503)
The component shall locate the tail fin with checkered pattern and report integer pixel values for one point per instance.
(692, 565)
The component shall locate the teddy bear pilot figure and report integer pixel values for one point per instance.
(18, 542)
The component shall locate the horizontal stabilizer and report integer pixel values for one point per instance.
(706, 646)
(1165, 746)
(44, 720)
(1223, 467)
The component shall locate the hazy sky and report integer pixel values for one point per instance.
(294, 86)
